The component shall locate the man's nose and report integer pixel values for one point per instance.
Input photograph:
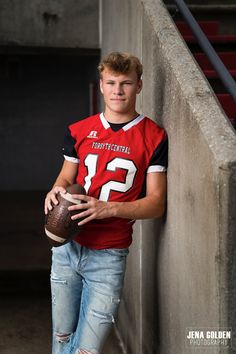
(118, 90)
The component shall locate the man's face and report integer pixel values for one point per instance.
(119, 91)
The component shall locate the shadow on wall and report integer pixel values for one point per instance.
(40, 95)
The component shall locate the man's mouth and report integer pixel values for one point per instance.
(117, 99)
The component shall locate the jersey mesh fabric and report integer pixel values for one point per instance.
(112, 166)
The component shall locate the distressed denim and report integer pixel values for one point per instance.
(86, 287)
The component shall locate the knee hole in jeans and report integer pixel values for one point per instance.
(84, 351)
(104, 317)
(63, 338)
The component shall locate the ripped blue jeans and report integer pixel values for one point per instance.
(86, 287)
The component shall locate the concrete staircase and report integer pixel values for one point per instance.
(222, 38)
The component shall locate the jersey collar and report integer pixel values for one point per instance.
(125, 127)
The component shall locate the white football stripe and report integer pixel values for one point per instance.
(156, 168)
(54, 237)
(133, 122)
(69, 197)
(104, 121)
(71, 159)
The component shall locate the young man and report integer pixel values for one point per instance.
(120, 157)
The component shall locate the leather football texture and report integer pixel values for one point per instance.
(59, 227)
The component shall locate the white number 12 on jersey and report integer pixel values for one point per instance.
(128, 165)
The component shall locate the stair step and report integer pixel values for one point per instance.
(228, 58)
(212, 74)
(211, 30)
(220, 38)
(226, 44)
(208, 27)
(207, 8)
(228, 105)
(217, 84)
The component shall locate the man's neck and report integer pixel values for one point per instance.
(114, 117)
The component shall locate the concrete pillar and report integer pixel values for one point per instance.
(181, 269)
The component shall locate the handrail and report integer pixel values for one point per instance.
(208, 49)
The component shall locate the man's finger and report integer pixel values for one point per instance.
(81, 215)
(78, 206)
(84, 221)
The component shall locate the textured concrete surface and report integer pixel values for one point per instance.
(49, 23)
(180, 270)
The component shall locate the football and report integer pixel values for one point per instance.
(59, 227)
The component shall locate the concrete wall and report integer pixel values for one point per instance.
(181, 269)
(55, 23)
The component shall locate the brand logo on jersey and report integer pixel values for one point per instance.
(93, 134)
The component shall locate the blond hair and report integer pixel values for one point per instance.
(120, 62)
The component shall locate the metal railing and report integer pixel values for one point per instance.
(208, 49)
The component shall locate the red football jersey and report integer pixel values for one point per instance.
(112, 166)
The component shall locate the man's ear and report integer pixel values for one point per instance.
(140, 85)
(101, 89)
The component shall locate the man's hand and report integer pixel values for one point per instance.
(90, 209)
(51, 198)
(151, 206)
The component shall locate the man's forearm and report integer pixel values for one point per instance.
(67, 175)
(61, 182)
(145, 208)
